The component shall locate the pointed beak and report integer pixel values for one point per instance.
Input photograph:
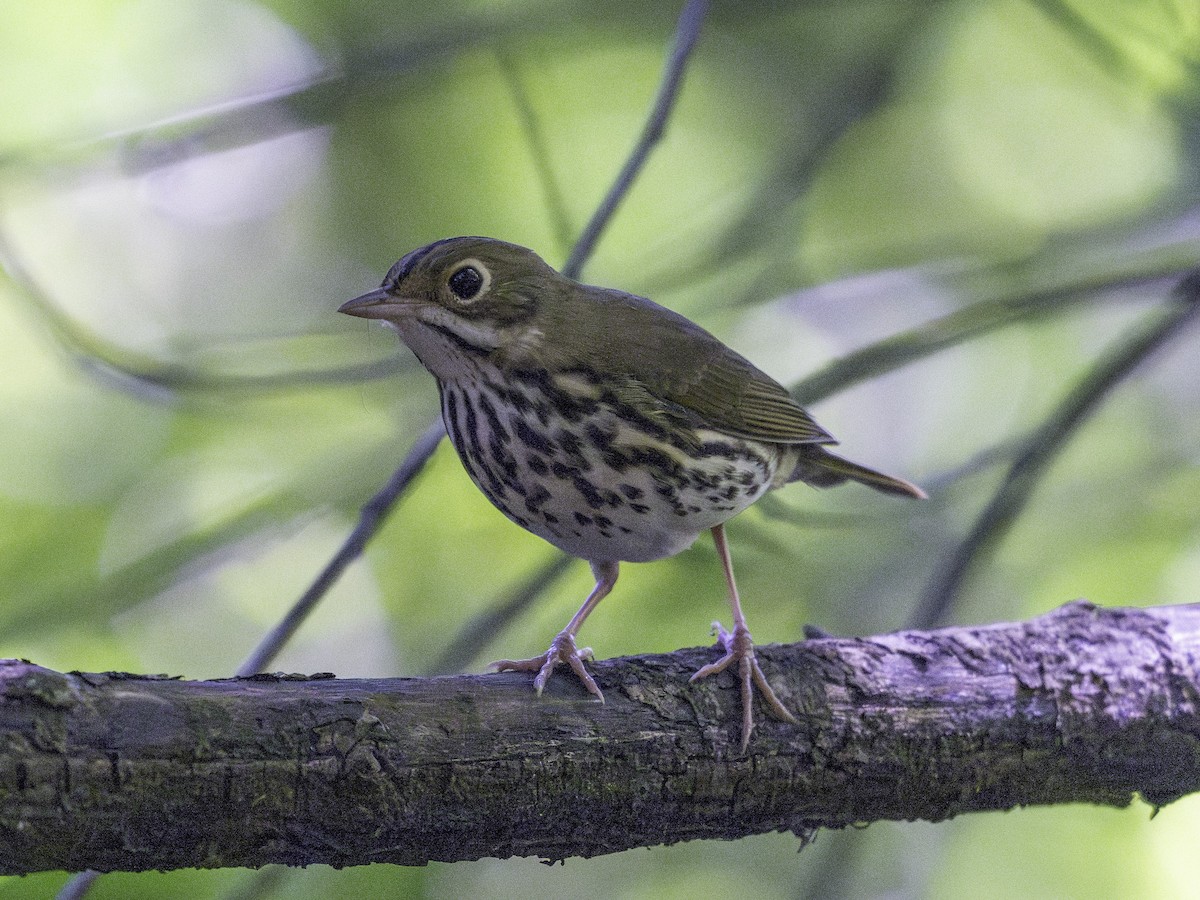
(377, 304)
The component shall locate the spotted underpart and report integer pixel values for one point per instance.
(572, 461)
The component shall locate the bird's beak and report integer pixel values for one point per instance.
(377, 304)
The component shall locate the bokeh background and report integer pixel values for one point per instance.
(188, 189)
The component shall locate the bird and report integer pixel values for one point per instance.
(614, 428)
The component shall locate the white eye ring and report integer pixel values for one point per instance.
(483, 274)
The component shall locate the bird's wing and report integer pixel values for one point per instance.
(731, 395)
(681, 364)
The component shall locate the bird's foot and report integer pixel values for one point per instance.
(562, 649)
(739, 648)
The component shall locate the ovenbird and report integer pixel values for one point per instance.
(612, 427)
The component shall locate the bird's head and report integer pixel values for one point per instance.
(462, 296)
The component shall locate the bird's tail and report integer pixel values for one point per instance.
(820, 468)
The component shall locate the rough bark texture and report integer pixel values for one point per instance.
(126, 772)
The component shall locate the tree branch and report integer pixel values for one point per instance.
(1047, 442)
(130, 772)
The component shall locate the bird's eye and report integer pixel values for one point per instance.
(466, 283)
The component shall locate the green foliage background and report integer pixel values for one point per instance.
(188, 189)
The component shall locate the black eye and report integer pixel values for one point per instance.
(466, 283)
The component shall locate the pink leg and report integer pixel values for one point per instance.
(562, 648)
(739, 648)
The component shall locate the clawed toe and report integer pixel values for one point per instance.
(562, 650)
(739, 648)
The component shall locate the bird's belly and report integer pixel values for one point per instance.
(599, 487)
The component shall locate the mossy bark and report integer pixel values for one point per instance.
(113, 771)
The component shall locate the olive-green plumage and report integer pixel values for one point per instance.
(601, 421)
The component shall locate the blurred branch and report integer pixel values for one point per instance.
(1083, 31)
(481, 630)
(312, 103)
(149, 377)
(539, 152)
(687, 33)
(370, 519)
(1044, 446)
(131, 772)
(767, 216)
(974, 321)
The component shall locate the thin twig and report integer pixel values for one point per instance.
(373, 515)
(145, 376)
(535, 139)
(257, 118)
(1044, 446)
(687, 33)
(483, 628)
(962, 325)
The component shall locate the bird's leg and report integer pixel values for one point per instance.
(739, 648)
(562, 648)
